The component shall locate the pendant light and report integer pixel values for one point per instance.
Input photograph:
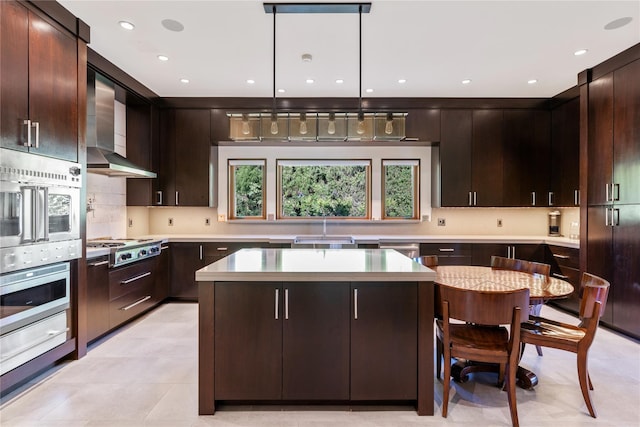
(360, 128)
(331, 127)
(246, 130)
(303, 124)
(274, 116)
(388, 126)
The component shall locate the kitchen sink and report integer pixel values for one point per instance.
(327, 241)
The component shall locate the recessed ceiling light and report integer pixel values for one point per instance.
(306, 57)
(163, 57)
(309, 81)
(339, 81)
(532, 81)
(369, 90)
(126, 25)
(281, 90)
(402, 81)
(250, 81)
(617, 23)
(466, 81)
(184, 80)
(580, 52)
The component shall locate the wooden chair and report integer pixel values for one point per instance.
(577, 339)
(531, 267)
(481, 338)
(427, 260)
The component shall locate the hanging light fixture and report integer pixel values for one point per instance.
(388, 126)
(303, 124)
(246, 130)
(360, 128)
(274, 115)
(331, 127)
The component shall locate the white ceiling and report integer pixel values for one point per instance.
(434, 45)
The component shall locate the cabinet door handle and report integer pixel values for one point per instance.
(533, 198)
(177, 202)
(561, 256)
(576, 197)
(560, 276)
(508, 251)
(286, 304)
(470, 199)
(159, 194)
(513, 252)
(222, 249)
(133, 279)
(475, 198)
(140, 301)
(276, 304)
(98, 263)
(36, 125)
(27, 123)
(606, 216)
(615, 217)
(606, 191)
(355, 303)
(616, 192)
(550, 198)
(201, 253)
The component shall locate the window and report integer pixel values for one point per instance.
(247, 189)
(324, 188)
(400, 184)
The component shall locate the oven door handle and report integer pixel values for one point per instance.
(43, 213)
(28, 223)
(133, 279)
(50, 335)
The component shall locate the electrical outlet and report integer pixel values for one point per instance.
(170, 222)
(207, 221)
(221, 218)
(499, 222)
(441, 222)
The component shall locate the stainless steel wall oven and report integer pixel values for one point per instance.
(39, 210)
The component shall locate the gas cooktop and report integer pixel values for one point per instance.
(126, 251)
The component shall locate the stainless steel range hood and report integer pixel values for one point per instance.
(101, 157)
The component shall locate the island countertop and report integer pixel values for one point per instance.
(315, 265)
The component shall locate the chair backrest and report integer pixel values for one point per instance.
(427, 260)
(502, 263)
(485, 307)
(594, 289)
(539, 268)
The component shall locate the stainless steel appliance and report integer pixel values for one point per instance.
(554, 223)
(39, 210)
(127, 251)
(33, 313)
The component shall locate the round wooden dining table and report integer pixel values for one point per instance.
(486, 279)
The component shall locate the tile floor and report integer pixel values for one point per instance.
(146, 375)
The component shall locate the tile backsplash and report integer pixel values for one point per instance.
(106, 206)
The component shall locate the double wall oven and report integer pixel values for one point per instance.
(39, 236)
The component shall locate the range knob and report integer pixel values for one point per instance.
(142, 252)
(154, 249)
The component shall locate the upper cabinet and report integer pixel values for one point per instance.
(423, 125)
(185, 150)
(494, 157)
(39, 84)
(142, 148)
(565, 154)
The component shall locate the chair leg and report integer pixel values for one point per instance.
(511, 393)
(438, 358)
(501, 374)
(535, 310)
(539, 350)
(590, 383)
(446, 382)
(583, 377)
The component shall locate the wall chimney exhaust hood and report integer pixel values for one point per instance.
(101, 156)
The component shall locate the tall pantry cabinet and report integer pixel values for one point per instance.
(611, 173)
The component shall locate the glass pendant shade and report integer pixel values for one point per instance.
(303, 123)
(388, 127)
(360, 129)
(331, 127)
(274, 124)
(246, 129)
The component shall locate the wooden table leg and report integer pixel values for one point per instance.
(461, 370)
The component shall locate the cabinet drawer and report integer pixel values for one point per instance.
(125, 280)
(135, 302)
(446, 249)
(569, 257)
(569, 274)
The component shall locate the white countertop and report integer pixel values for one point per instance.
(262, 265)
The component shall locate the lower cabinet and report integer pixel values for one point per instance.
(565, 265)
(448, 253)
(482, 252)
(97, 298)
(315, 341)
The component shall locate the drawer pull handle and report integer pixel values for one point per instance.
(355, 304)
(99, 263)
(140, 301)
(222, 249)
(561, 256)
(277, 303)
(560, 276)
(133, 279)
(446, 249)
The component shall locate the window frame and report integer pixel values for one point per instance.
(231, 190)
(416, 188)
(314, 161)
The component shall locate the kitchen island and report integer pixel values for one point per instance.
(316, 326)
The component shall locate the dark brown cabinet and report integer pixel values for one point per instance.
(613, 189)
(471, 151)
(565, 154)
(448, 253)
(185, 141)
(315, 341)
(97, 298)
(39, 84)
(565, 265)
(527, 136)
(186, 258)
(141, 149)
(384, 339)
(423, 125)
(482, 252)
